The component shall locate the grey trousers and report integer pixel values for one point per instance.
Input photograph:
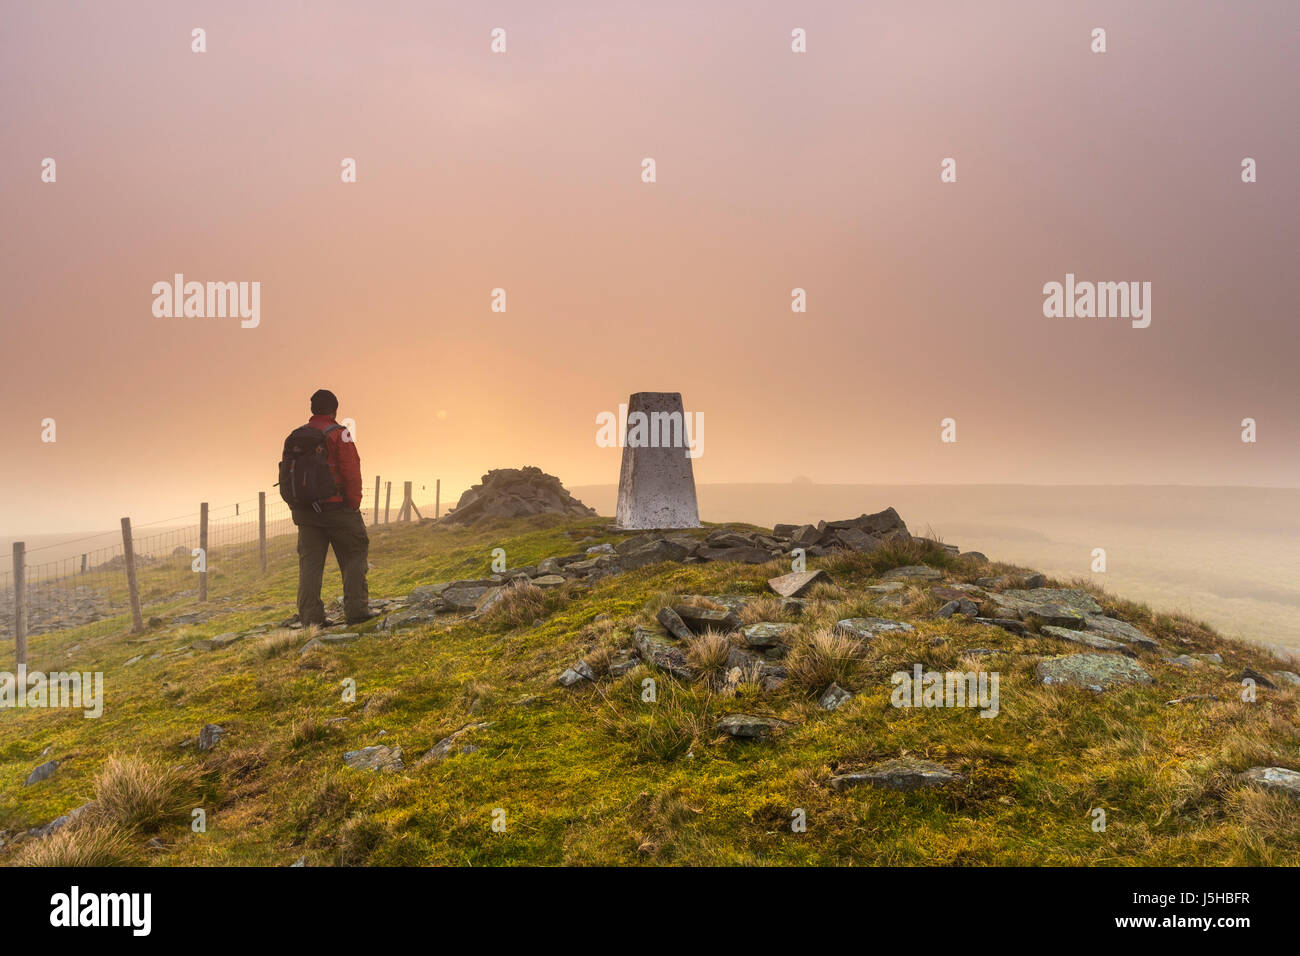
(345, 532)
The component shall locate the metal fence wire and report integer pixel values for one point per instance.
(83, 581)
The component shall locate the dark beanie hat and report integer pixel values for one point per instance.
(324, 402)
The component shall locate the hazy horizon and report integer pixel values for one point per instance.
(521, 171)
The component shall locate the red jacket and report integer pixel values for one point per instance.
(344, 462)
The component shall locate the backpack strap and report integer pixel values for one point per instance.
(331, 428)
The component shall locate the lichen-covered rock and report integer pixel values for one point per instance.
(867, 628)
(1121, 631)
(210, 735)
(576, 674)
(451, 745)
(767, 634)
(379, 759)
(1095, 641)
(902, 773)
(1092, 671)
(1274, 779)
(1080, 600)
(658, 651)
(913, 572)
(749, 727)
(43, 772)
(835, 697)
(1054, 615)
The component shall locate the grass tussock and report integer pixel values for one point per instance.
(662, 731)
(767, 607)
(521, 603)
(707, 655)
(824, 658)
(140, 795)
(82, 844)
(281, 641)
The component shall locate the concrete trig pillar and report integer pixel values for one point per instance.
(656, 487)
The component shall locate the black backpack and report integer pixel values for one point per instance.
(305, 479)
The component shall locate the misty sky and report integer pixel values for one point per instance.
(523, 171)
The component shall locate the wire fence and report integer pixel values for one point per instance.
(83, 581)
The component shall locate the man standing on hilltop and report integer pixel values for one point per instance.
(326, 507)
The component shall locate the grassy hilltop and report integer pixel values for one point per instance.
(590, 774)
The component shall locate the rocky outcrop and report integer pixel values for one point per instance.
(516, 493)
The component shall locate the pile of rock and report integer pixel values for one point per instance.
(516, 493)
(865, 533)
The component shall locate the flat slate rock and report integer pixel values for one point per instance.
(797, 583)
(749, 727)
(701, 619)
(1274, 779)
(412, 618)
(1095, 641)
(1054, 615)
(347, 638)
(216, 643)
(658, 651)
(378, 758)
(1092, 671)
(866, 628)
(914, 572)
(673, 624)
(462, 597)
(1121, 631)
(767, 634)
(740, 555)
(1080, 600)
(903, 773)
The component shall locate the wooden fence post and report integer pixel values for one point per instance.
(437, 499)
(376, 521)
(203, 548)
(20, 608)
(388, 496)
(128, 554)
(83, 564)
(261, 528)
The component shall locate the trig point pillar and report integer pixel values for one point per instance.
(656, 487)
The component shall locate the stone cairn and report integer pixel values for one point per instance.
(516, 493)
